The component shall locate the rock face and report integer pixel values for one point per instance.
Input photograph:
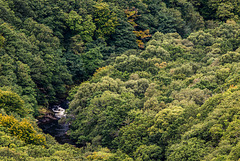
(53, 114)
(48, 122)
(47, 118)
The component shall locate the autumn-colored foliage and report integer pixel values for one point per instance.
(141, 35)
(22, 130)
(152, 80)
(132, 15)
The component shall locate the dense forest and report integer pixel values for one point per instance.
(147, 80)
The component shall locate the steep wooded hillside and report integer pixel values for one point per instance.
(146, 79)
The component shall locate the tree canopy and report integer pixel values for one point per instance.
(146, 79)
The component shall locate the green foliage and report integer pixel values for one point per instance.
(196, 95)
(2, 39)
(85, 28)
(14, 148)
(104, 113)
(105, 20)
(119, 156)
(175, 98)
(201, 38)
(144, 153)
(134, 134)
(92, 60)
(11, 102)
(192, 149)
(225, 10)
(123, 38)
(30, 60)
(22, 130)
(230, 57)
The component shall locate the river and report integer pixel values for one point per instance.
(52, 125)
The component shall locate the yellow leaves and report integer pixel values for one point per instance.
(132, 15)
(140, 44)
(231, 21)
(7, 121)
(22, 130)
(167, 116)
(233, 86)
(104, 154)
(99, 70)
(105, 20)
(161, 65)
(62, 154)
(141, 35)
(2, 40)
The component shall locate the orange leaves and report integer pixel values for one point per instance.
(141, 35)
(132, 15)
(140, 44)
(98, 70)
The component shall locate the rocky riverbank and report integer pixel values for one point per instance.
(49, 122)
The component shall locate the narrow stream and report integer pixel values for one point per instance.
(56, 129)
